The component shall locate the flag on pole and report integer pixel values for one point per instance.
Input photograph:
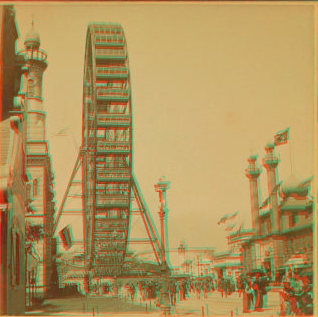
(230, 227)
(223, 219)
(281, 137)
(265, 203)
(67, 237)
(306, 183)
(232, 216)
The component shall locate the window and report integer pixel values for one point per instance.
(36, 189)
(29, 192)
(18, 258)
(13, 258)
(31, 85)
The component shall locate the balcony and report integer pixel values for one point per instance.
(112, 94)
(105, 120)
(35, 55)
(111, 174)
(109, 39)
(113, 147)
(253, 170)
(112, 201)
(104, 53)
(271, 159)
(112, 72)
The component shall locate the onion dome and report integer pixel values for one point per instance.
(32, 39)
(292, 186)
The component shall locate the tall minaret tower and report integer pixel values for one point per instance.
(253, 172)
(37, 60)
(271, 161)
(39, 166)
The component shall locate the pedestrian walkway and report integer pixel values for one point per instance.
(214, 305)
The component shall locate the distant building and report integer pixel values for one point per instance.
(14, 200)
(184, 260)
(283, 224)
(230, 262)
(38, 166)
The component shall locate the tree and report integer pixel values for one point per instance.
(33, 234)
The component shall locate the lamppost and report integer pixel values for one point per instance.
(161, 187)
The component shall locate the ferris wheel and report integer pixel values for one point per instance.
(109, 187)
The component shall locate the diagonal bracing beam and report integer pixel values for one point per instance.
(148, 222)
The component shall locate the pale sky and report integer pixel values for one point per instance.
(210, 82)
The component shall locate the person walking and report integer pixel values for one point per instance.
(250, 296)
(256, 294)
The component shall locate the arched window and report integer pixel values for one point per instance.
(28, 192)
(31, 85)
(36, 190)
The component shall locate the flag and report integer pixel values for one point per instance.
(223, 219)
(233, 216)
(306, 183)
(230, 227)
(281, 137)
(67, 237)
(277, 187)
(265, 203)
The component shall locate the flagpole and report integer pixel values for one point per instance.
(290, 153)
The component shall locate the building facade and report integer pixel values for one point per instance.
(283, 224)
(230, 262)
(14, 200)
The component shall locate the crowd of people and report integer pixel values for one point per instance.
(254, 288)
(297, 295)
(178, 289)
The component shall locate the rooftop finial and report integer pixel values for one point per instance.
(32, 23)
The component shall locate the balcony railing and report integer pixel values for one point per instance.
(112, 94)
(105, 146)
(104, 53)
(110, 201)
(252, 170)
(111, 72)
(37, 54)
(113, 120)
(272, 159)
(113, 174)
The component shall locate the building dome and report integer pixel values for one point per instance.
(32, 39)
(291, 187)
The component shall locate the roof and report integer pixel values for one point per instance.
(32, 37)
(292, 185)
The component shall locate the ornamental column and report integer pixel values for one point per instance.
(161, 187)
(253, 172)
(271, 161)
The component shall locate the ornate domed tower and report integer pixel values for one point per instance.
(37, 60)
(39, 166)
